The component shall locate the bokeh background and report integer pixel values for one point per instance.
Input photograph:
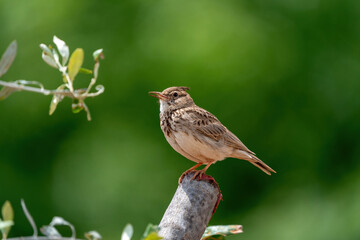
(283, 75)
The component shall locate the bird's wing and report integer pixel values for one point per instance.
(207, 124)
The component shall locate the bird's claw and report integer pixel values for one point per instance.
(197, 175)
(184, 174)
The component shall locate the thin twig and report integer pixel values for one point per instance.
(100, 89)
(30, 219)
(68, 80)
(18, 87)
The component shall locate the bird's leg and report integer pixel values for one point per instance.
(202, 171)
(189, 170)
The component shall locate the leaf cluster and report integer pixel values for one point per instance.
(151, 233)
(69, 67)
(211, 233)
(50, 231)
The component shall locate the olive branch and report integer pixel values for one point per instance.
(69, 66)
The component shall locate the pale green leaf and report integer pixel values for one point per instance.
(50, 232)
(214, 232)
(127, 232)
(46, 49)
(75, 63)
(151, 232)
(85, 71)
(93, 235)
(5, 92)
(77, 106)
(153, 236)
(56, 99)
(7, 211)
(56, 58)
(8, 216)
(49, 59)
(98, 53)
(62, 48)
(5, 224)
(8, 57)
(5, 227)
(60, 221)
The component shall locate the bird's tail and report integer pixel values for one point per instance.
(263, 166)
(255, 161)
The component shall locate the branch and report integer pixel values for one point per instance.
(191, 209)
(78, 94)
(19, 87)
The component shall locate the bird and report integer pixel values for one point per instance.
(197, 134)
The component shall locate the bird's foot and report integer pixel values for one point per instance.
(188, 171)
(184, 174)
(198, 174)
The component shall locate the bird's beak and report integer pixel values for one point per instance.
(158, 95)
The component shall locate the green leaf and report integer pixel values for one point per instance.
(77, 106)
(56, 99)
(8, 216)
(98, 53)
(47, 56)
(62, 48)
(151, 232)
(8, 57)
(46, 49)
(214, 237)
(93, 235)
(5, 224)
(127, 233)
(49, 59)
(55, 56)
(50, 232)
(153, 236)
(215, 232)
(7, 211)
(5, 92)
(59, 221)
(85, 70)
(75, 63)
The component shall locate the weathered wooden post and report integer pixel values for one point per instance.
(191, 209)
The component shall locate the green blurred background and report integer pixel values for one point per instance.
(283, 75)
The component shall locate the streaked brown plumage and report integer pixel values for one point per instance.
(197, 134)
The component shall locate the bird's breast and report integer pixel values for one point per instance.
(199, 146)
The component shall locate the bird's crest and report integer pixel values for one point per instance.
(184, 88)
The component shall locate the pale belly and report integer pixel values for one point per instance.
(204, 151)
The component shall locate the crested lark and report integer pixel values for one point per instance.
(197, 134)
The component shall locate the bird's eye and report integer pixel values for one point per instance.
(175, 94)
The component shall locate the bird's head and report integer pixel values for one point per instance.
(173, 98)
